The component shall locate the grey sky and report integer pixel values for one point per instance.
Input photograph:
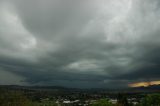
(79, 43)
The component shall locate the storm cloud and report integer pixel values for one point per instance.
(79, 43)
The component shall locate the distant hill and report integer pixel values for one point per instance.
(152, 88)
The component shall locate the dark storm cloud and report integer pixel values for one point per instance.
(104, 43)
(148, 64)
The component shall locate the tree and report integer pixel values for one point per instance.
(151, 100)
(12, 98)
(122, 100)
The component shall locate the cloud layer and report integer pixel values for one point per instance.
(87, 43)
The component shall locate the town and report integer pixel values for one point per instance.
(57, 96)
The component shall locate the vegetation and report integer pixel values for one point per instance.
(102, 102)
(122, 100)
(151, 100)
(14, 98)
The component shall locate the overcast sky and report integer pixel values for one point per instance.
(79, 43)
